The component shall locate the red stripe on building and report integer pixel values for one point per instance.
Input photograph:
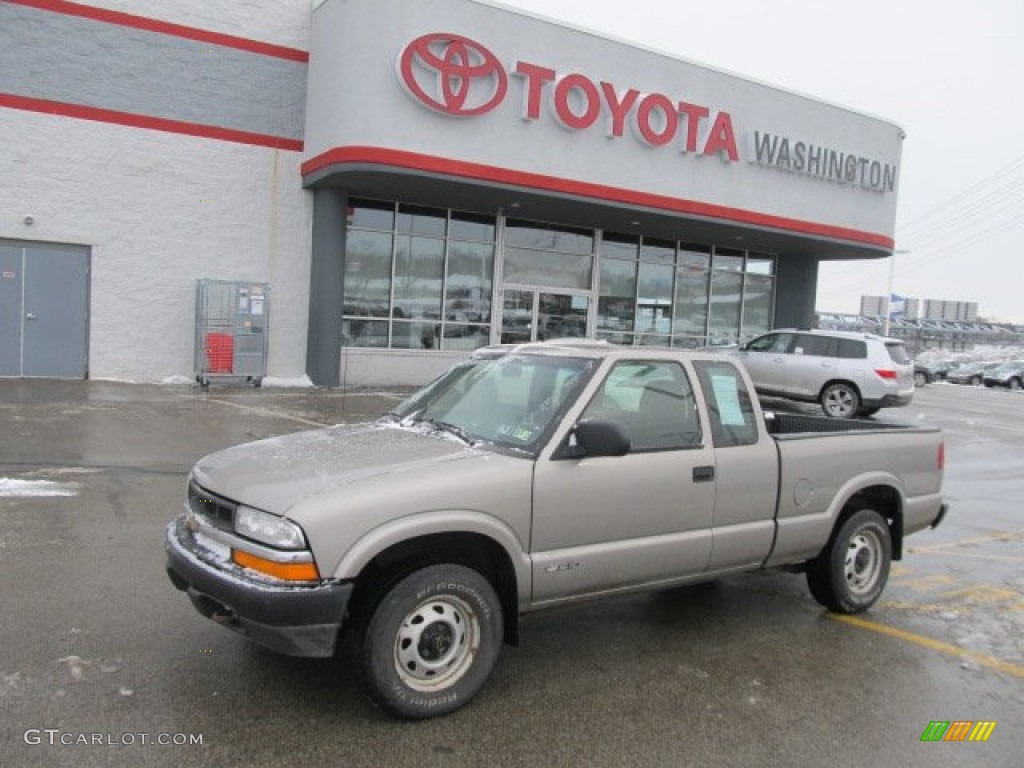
(166, 28)
(479, 172)
(146, 121)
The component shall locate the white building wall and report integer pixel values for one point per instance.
(160, 210)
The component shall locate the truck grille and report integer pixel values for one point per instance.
(216, 510)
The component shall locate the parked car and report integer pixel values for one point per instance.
(536, 477)
(972, 373)
(1009, 375)
(922, 375)
(850, 374)
(939, 369)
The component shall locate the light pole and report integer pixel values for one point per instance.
(888, 293)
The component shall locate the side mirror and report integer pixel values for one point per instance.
(600, 437)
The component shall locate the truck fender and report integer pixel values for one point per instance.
(415, 526)
(861, 483)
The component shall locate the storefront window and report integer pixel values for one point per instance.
(691, 302)
(417, 278)
(616, 306)
(419, 273)
(368, 274)
(654, 302)
(758, 295)
(422, 278)
(548, 237)
(416, 220)
(726, 292)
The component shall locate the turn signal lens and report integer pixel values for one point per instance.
(942, 456)
(283, 571)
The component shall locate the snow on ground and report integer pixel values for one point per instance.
(23, 488)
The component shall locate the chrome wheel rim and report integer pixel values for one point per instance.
(840, 402)
(436, 643)
(863, 564)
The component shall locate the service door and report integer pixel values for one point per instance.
(44, 299)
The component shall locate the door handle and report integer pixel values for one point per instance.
(703, 474)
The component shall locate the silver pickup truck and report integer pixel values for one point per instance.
(532, 477)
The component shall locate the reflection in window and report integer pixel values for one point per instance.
(398, 291)
(548, 237)
(654, 299)
(368, 274)
(757, 305)
(726, 290)
(550, 268)
(616, 306)
(419, 272)
(691, 301)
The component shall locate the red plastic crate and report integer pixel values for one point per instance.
(220, 352)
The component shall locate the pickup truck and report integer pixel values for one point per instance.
(531, 477)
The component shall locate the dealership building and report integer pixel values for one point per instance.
(402, 182)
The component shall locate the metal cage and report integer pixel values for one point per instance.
(231, 330)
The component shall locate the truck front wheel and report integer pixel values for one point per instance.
(851, 572)
(432, 641)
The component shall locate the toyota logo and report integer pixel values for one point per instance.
(452, 74)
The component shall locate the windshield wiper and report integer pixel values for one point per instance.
(444, 426)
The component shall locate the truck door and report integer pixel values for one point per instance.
(607, 523)
(746, 469)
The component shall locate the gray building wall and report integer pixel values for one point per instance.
(796, 288)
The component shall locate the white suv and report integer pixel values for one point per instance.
(850, 374)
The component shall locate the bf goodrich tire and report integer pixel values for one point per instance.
(840, 401)
(850, 574)
(431, 642)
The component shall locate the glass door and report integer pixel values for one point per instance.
(541, 314)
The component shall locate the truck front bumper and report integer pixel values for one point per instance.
(290, 619)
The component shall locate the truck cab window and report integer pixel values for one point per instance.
(654, 400)
(729, 404)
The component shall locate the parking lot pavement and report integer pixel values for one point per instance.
(100, 651)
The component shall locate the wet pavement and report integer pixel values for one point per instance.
(102, 658)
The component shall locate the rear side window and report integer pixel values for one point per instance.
(819, 346)
(853, 349)
(729, 403)
(897, 353)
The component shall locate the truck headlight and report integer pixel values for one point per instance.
(268, 529)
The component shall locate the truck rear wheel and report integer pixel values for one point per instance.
(432, 641)
(851, 572)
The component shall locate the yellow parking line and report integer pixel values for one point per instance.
(936, 645)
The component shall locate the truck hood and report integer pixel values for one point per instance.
(275, 474)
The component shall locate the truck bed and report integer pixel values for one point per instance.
(790, 424)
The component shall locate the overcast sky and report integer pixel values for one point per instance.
(950, 73)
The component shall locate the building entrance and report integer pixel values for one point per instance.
(534, 313)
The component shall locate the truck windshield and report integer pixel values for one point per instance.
(512, 402)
